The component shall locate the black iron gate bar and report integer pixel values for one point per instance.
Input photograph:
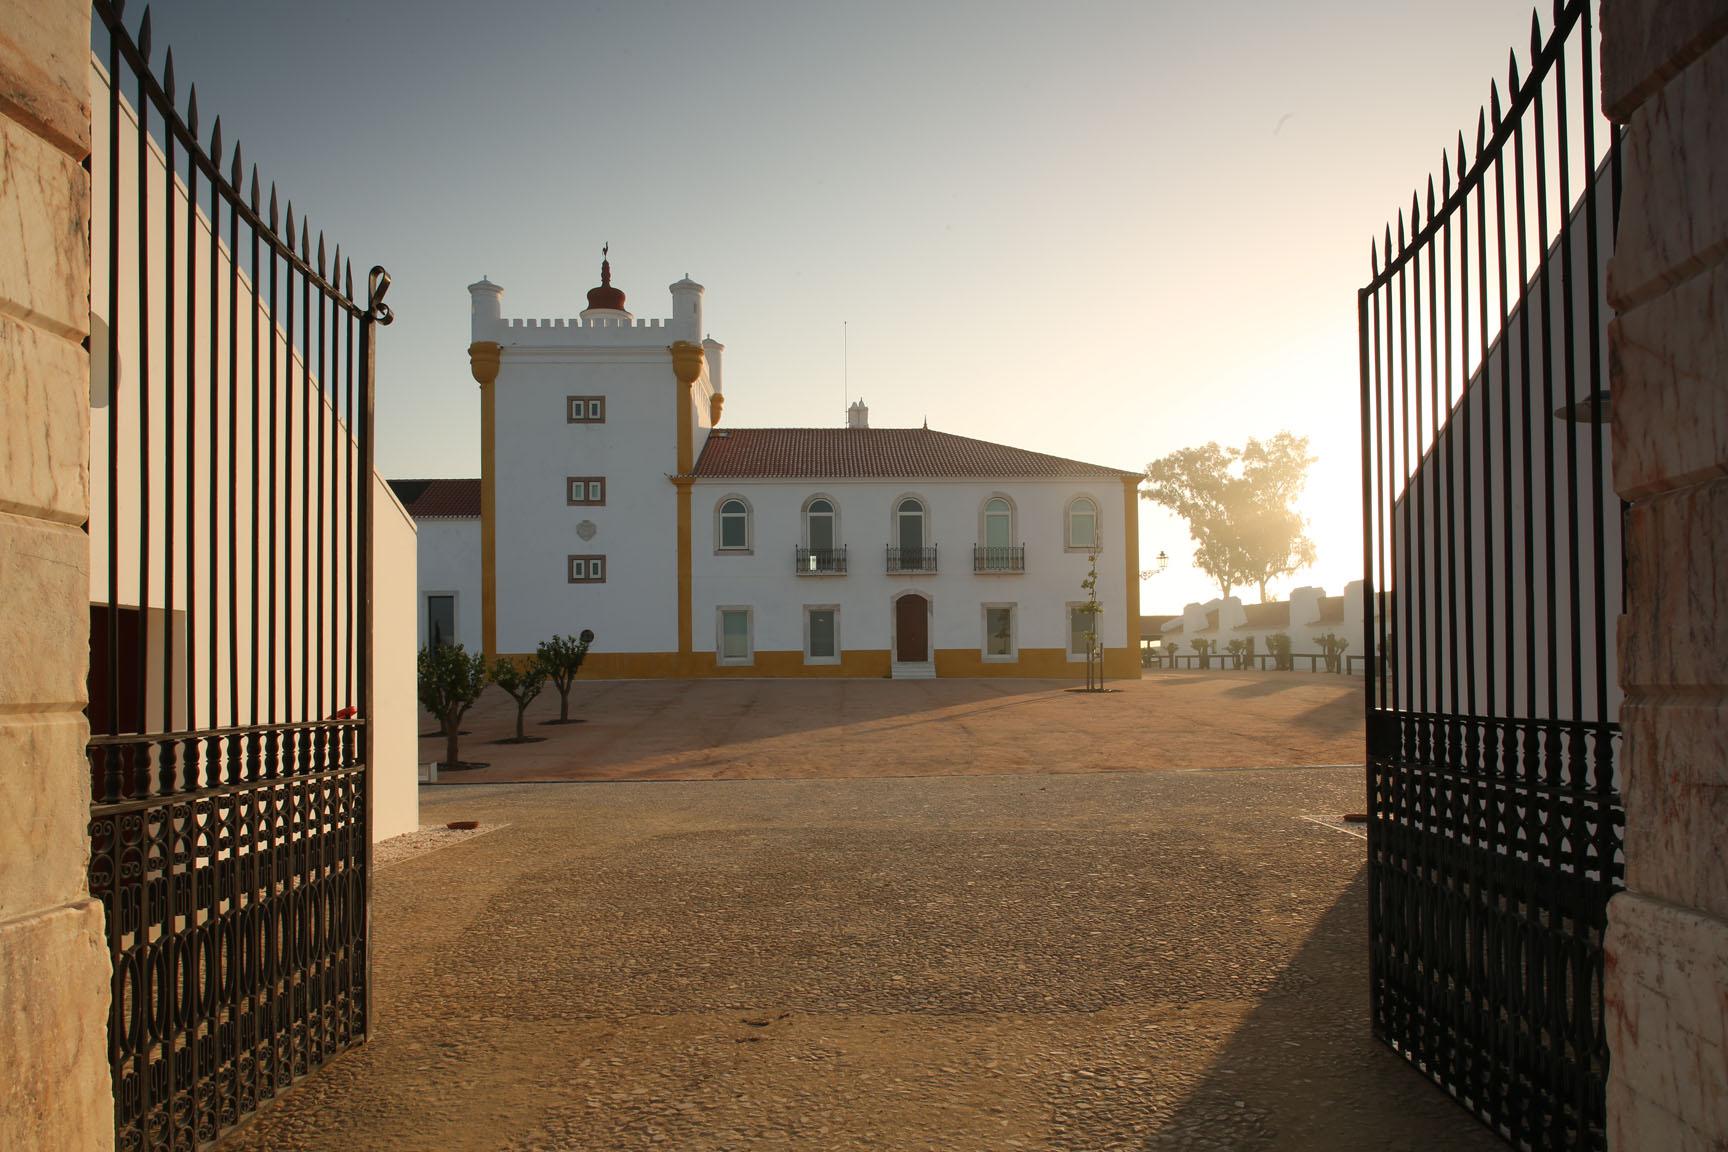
(1495, 819)
(230, 849)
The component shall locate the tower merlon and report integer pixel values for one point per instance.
(486, 303)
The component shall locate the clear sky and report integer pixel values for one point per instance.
(1101, 230)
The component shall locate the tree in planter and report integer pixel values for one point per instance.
(1092, 609)
(1332, 645)
(562, 658)
(450, 681)
(1279, 645)
(1203, 649)
(1238, 650)
(522, 683)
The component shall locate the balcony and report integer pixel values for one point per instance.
(1011, 558)
(911, 559)
(819, 561)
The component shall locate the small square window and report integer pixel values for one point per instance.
(587, 490)
(587, 570)
(1080, 622)
(586, 410)
(593, 409)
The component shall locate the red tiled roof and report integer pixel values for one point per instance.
(866, 453)
(1152, 627)
(426, 499)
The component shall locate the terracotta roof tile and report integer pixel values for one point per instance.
(427, 499)
(870, 453)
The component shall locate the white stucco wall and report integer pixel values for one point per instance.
(449, 550)
(765, 578)
(395, 707)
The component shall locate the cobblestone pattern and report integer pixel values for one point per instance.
(1107, 962)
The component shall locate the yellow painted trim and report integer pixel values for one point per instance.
(688, 364)
(1131, 558)
(686, 577)
(871, 663)
(484, 357)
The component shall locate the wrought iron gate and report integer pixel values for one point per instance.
(231, 514)
(1492, 537)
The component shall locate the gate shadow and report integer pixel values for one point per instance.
(1305, 1072)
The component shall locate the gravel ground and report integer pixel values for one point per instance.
(1169, 960)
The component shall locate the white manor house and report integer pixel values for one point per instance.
(612, 497)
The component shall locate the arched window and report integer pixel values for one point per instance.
(998, 523)
(1082, 523)
(734, 525)
(909, 524)
(821, 525)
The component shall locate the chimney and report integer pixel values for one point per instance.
(858, 416)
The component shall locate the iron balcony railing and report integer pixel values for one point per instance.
(912, 559)
(1011, 558)
(819, 561)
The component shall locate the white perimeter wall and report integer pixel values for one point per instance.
(765, 579)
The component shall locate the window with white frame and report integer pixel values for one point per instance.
(733, 533)
(909, 524)
(822, 525)
(999, 641)
(734, 645)
(587, 570)
(998, 523)
(1082, 524)
(1080, 622)
(822, 634)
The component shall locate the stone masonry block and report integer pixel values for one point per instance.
(1645, 43)
(1675, 768)
(1667, 1021)
(45, 624)
(45, 70)
(45, 218)
(1669, 363)
(44, 424)
(1674, 210)
(1676, 596)
(53, 1017)
(44, 811)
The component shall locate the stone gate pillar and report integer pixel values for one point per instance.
(1665, 78)
(53, 963)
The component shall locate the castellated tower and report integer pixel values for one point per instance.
(590, 427)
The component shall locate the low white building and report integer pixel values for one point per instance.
(1308, 615)
(610, 499)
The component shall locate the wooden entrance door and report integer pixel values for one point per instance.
(912, 629)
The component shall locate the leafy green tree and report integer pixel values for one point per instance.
(1332, 646)
(522, 682)
(562, 658)
(1092, 609)
(450, 680)
(1239, 504)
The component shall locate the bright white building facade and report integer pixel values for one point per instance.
(613, 498)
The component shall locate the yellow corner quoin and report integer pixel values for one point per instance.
(484, 357)
(688, 364)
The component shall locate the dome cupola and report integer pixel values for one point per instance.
(606, 297)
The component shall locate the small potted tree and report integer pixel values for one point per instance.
(522, 682)
(1203, 649)
(562, 657)
(450, 680)
(1332, 646)
(1279, 645)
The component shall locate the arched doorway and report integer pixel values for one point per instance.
(912, 629)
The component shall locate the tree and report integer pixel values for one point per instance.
(1092, 609)
(1239, 506)
(562, 658)
(522, 683)
(450, 682)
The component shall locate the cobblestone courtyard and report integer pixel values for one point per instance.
(1122, 961)
(781, 729)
